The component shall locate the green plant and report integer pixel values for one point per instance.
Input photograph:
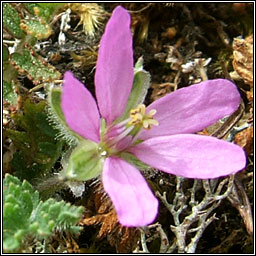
(24, 24)
(26, 217)
(34, 139)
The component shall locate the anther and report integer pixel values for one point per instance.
(140, 118)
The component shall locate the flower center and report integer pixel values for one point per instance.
(119, 136)
(140, 118)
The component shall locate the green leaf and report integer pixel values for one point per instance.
(44, 10)
(34, 67)
(50, 215)
(47, 148)
(36, 28)
(34, 139)
(85, 162)
(18, 206)
(11, 21)
(140, 87)
(9, 93)
(20, 167)
(26, 217)
(47, 10)
(21, 138)
(30, 7)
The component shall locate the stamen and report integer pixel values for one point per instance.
(147, 124)
(140, 118)
(136, 119)
(120, 136)
(152, 112)
(123, 122)
(142, 109)
(115, 131)
(119, 124)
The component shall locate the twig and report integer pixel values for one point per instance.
(199, 211)
(191, 247)
(242, 204)
(164, 239)
(230, 122)
(142, 9)
(143, 241)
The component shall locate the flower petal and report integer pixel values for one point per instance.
(79, 108)
(134, 202)
(114, 70)
(193, 108)
(191, 155)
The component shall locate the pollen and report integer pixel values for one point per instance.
(139, 117)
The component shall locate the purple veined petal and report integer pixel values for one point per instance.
(79, 108)
(114, 69)
(191, 155)
(193, 108)
(133, 200)
(124, 143)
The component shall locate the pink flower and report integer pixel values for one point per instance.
(160, 135)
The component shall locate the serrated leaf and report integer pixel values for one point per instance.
(44, 10)
(54, 210)
(30, 7)
(28, 203)
(34, 67)
(47, 10)
(10, 244)
(49, 216)
(47, 148)
(37, 148)
(11, 179)
(36, 28)
(9, 93)
(20, 234)
(20, 167)
(11, 21)
(68, 217)
(21, 138)
(24, 216)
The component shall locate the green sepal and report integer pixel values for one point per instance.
(85, 162)
(54, 100)
(130, 158)
(140, 87)
(57, 117)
